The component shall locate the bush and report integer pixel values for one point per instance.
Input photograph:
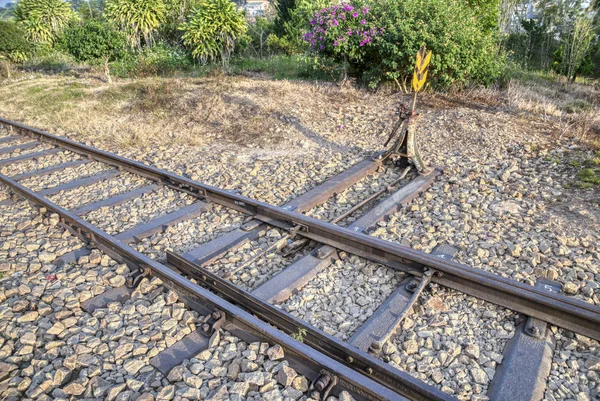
(13, 45)
(291, 21)
(93, 41)
(213, 29)
(279, 66)
(43, 20)
(463, 51)
(342, 32)
(258, 36)
(49, 60)
(161, 60)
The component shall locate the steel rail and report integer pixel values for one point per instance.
(196, 295)
(399, 381)
(568, 313)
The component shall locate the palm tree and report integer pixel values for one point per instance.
(139, 18)
(213, 29)
(43, 20)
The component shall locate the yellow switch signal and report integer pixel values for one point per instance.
(421, 68)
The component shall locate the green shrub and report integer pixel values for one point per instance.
(213, 29)
(160, 59)
(463, 50)
(44, 20)
(280, 66)
(291, 24)
(13, 45)
(258, 37)
(93, 41)
(342, 32)
(49, 60)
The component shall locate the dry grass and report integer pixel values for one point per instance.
(573, 110)
(152, 111)
(265, 113)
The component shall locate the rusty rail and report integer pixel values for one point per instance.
(556, 309)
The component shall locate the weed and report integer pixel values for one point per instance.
(554, 160)
(299, 335)
(588, 175)
(575, 163)
(279, 67)
(578, 105)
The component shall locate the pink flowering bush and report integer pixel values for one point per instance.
(342, 32)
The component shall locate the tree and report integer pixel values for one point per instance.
(213, 29)
(43, 20)
(13, 45)
(284, 10)
(259, 32)
(177, 12)
(576, 45)
(88, 9)
(139, 18)
(94, 41)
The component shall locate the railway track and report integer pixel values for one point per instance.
(250, 311)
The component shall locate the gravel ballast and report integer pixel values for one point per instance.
(508, 200)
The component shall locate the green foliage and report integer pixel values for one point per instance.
(463, 51)
(212, 30)
(88, 9)
(177, 13)
(280, 66)
(488, 12)
(284, 10)
(295, 24)
(343, 32)
(139, 18)
(43, 20)
(258, 36)
(13, 45)
(299, 335)
(49, 60)
(161, 59)
(588, 178)
(93, 41)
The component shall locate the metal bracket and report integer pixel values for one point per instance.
(136, 277)
(213, 323)
(405, 146)
(294, 247)
(251, 225)
(323, 385)
(534, 327)
(323, 251)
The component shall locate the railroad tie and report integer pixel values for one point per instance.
(527, 359)
(384, 323)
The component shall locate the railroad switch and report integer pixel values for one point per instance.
(404, 149)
